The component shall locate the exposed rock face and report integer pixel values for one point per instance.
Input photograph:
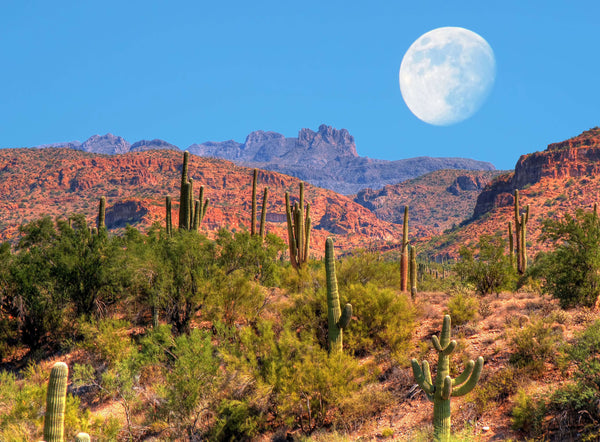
(437, 200)
(156, 144)
(327, 158)
(108, 144)
(573, 158)
(125, 212)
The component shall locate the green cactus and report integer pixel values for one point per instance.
(82, 437)
(413, 272)
(299, 226)
(102, 214)
(168, 216)
(190, 213)
(337, 320)
(511, 245)
(444, 387)
(56, 399)
(521, 220)
(263, 214)
(404, 256)
(200, 209)
(183, 194)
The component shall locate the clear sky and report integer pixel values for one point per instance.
(189, 72)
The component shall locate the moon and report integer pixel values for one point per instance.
(446, 75)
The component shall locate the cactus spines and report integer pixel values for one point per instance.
(413, 272)
(56, 399)
(444, 387)
(299, 226)
(169, 222)
(263, 214)
(404, 257)
(337, 320)
(82, 437)
(253, 216)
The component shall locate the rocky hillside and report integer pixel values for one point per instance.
(57, 182)
(437, 200)
(326, 158)
(558, 180)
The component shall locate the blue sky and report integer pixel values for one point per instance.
(189, 72)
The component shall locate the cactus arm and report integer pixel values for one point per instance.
(204, 207)
(345, 317)
(449, 348)
(464, 375)
(290, 226)
(472, 381)
(447, 388)
(300, 225)
(102, 214)
(436, 344)
(445, 335)
(307, 232)
(263, 214)
(197, 214)
(422, 376)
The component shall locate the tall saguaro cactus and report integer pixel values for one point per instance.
(263, 213)
(337, 320)
(168, 216)
(511, 245)
(298, 229)
(521, 220)
(404, 257)
(444, 387)
(191, 212)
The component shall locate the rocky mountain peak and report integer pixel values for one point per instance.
(339, 139)
(143, 145)
(106, 144)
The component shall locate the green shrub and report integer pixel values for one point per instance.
(236, 420)
(496, 388)
(462, 308)
(535, 344)
(527, 414)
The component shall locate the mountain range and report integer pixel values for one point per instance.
(326, 158)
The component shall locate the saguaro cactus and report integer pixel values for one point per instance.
(413, 272)
(298, 229)
(404, 257)
(82, 437)
(56, 399)
(168, 216)
(102, 214)
(263, 214)
(511, 245)
(337, 320)
(444, 387)
(253, 216)
(521, 220)
(190, 213)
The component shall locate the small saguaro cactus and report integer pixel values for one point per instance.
(263, 214)
(56, 399)
(298, 229)
(168, 216)
(191, 212)
(444, 387)
(521, 220)
(337, 319)
(511, 245)
(404, 256)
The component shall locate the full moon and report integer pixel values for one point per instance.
(446, 75)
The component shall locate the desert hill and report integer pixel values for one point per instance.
(558, 180)
(57, 182)
(437, 200)
(326, 158)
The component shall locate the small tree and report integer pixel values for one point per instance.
(571, 272)
(491, 271)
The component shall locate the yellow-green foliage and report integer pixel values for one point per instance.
(462, 308)
(535, 344)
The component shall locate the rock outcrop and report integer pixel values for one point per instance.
(573, 158)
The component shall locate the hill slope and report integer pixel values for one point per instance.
(57, 182)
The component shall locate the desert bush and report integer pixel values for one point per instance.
(535, 344)
(528, 413)
(496, 388)
(462, 308)
(491, 271)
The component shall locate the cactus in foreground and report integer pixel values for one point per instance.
(337, 320)
(82, 437)
(298, 229)
(444, 387)
(56, 399)
(404, 256)
(102, 214)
